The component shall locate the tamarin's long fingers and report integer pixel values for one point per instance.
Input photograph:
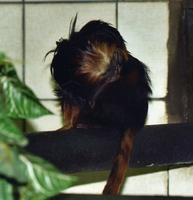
(120, 164)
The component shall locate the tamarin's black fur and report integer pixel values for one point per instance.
(102, 84)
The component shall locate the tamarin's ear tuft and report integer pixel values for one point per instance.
(72, 27)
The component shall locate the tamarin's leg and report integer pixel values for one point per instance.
(120, 164)
(70, 115)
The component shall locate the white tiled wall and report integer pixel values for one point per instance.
(181, 181)
(11, 34)
(145, 28)
(144, 181)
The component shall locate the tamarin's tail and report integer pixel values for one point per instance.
(120, 164)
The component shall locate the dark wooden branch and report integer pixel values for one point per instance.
(114, 197)
(81, 150)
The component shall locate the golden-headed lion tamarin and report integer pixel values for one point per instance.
(101, 84)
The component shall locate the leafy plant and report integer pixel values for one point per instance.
(22, 175)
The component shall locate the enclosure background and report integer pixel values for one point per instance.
(29, 29)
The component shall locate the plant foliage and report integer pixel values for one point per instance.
(20, 101)
(30, 176)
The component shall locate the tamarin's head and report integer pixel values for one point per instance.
(89, 56)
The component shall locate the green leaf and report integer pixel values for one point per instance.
(10, 164)
(21, 102)
(8, 131)
(27, 192)
(2, 56)
(6, 190)
(46, 180)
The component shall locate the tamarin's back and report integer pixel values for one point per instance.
(101, 84)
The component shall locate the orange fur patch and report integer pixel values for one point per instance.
(95, 63)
